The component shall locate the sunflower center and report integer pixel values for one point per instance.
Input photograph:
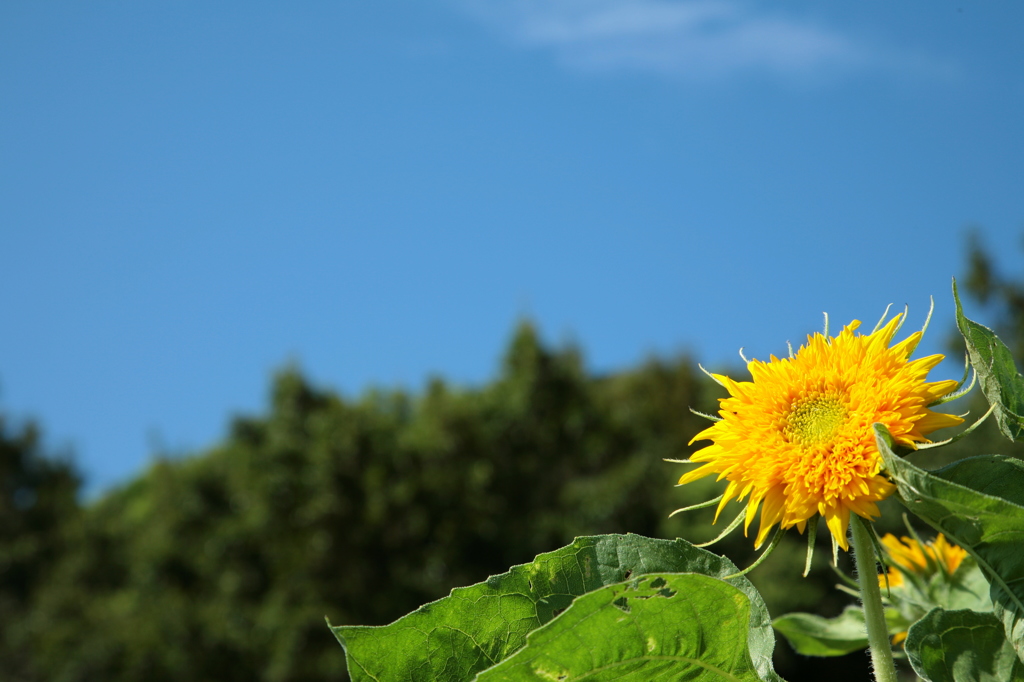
(815, 419)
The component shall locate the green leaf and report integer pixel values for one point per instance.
(660, 626)
(997, 374)
(452, 639)
(812, 635)
(962, 646)
(978, 503)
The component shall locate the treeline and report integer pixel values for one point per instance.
(222, 566)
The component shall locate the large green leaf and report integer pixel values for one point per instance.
(962, 646)
(812, 635)
(997, 374)
(452, 639)
(979, 504)
(657, 627)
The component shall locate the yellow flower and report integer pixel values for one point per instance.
(912, 556)
(798, 438)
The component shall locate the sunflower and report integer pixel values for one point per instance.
(908, 555)
(913, 557)
(798, 439)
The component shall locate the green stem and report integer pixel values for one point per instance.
(871, 596)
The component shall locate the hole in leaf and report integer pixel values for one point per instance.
(658, 582)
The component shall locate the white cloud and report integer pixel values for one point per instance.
(690, 38)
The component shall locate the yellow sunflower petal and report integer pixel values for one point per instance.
(837, 526)
(912, 556)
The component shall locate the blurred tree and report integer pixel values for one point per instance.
(37, 501)
(222, 566)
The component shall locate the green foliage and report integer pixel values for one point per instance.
(812, 635)
(997, 374)
(962, 646)
(475, 627)
(978, 503)
(659, 626)
(37, 503)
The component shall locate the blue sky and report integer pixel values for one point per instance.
(193, 195)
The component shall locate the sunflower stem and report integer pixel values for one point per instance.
(871, 596)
